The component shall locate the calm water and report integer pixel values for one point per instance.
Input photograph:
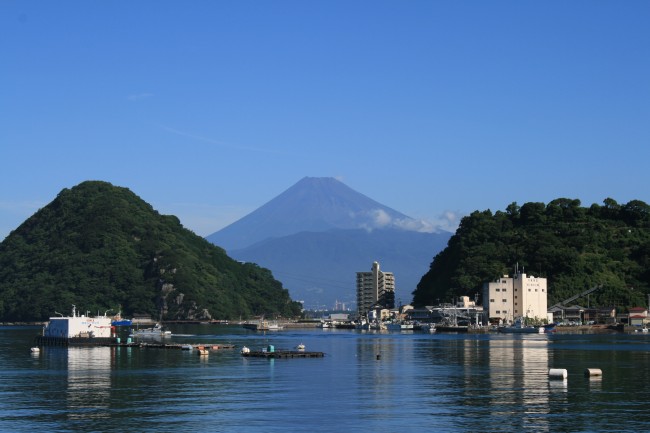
(439, 382)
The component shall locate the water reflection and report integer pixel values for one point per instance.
(421, 382)
(89, 382)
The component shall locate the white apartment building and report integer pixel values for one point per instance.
(375, 289)
(520, 296)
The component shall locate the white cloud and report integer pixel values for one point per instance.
(380, 218)
(448, 221)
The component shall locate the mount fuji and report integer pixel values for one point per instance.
(317, 234)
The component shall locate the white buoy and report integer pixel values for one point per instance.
(593, 372)
(557, 373)
(245, 350)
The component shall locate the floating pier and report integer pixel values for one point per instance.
(117, 342)
(199, 347)
(281, 354)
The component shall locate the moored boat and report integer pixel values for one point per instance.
(263, 325)
(428, 327)
(519, 327)
(399, 326)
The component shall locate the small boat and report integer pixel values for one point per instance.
(549, 328)
(399, 326)
(519, 327)
(118, 320)
(428, 327)
(324, 324)
(156, 331)
(263, 325)
(300, 347)
(121, 322)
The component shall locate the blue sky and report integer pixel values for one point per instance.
(208, 109)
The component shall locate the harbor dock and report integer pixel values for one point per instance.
(282, 354)
(112, 342)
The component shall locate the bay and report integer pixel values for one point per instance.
(380, 382)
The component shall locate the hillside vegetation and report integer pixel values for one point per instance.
(574, 247)
(101, 247)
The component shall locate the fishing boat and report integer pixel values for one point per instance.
(399, 326)
(263, 325)
(157, 332)
(118, 320)
(519, 327)
(428, 327)
(324, 324)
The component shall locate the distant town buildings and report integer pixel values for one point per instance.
(375, 289)
(519, 296)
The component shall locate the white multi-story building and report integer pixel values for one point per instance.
(520, 296)
(375, 289)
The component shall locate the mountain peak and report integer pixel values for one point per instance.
(313, 204)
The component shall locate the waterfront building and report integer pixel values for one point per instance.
(375, 289)
(508, 298)
(464, 310)
(638, 316)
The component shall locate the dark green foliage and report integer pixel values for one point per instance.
(574, 247)
(101, 247)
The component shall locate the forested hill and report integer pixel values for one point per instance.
(574, 247)
(101, 247)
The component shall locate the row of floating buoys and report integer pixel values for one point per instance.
(561, 373)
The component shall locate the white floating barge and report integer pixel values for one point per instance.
(77, 330)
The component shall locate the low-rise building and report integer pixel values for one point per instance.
(638, 316)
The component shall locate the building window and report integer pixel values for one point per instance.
(504, 300)
(504, 290)
(491, 300)
(498, 312)
(498, 290)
